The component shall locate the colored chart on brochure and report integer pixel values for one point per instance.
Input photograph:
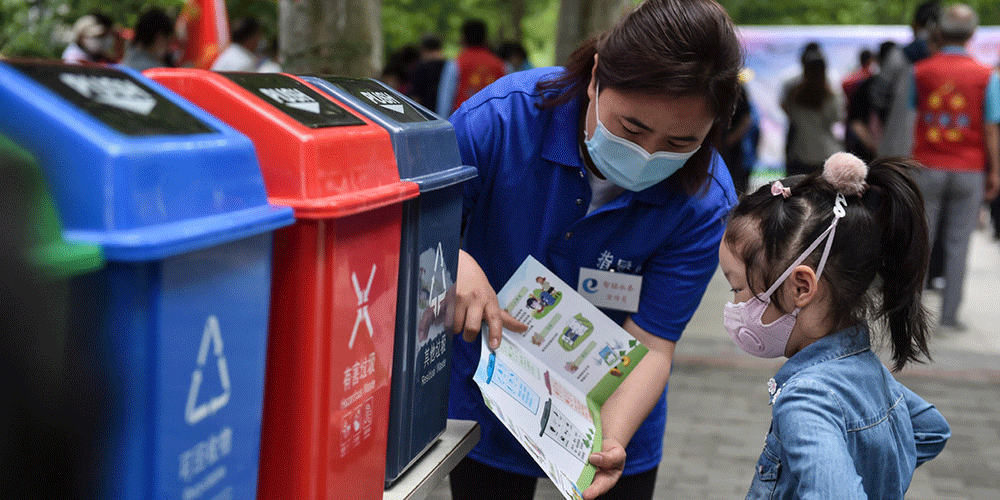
(548, 384)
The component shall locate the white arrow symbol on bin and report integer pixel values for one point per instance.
(293, 98)
(116, 92)
(394, 107)
(312, 107)
(362, 306)
(212, 335)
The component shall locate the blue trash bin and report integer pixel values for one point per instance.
(427, 154)
(177, 320)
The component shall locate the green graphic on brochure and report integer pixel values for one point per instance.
(547, 385)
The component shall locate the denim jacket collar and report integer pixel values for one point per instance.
(846, 342)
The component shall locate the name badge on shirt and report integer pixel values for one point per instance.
(608, 290)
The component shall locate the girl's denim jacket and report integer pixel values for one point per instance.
(842, 427)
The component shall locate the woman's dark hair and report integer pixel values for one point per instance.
(814, 89)
(883, 235)
(150, 25)
(671, 47)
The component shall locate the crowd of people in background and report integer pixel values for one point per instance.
(876, 111)
(928, 100)
(157, 40)
(441, 84)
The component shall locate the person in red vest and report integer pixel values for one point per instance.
(474, 68)
(956, 137)
(854, 80)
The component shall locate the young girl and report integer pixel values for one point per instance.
(811, 259)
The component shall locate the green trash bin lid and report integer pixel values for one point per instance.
(47, 250)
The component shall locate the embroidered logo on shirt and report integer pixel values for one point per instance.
(605, 260)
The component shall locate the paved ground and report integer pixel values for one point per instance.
(718, 413)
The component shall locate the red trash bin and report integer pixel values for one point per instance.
(333, 300)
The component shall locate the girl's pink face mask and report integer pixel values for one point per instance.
(744, 322)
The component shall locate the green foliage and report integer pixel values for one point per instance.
(266, 11)
(405, 21)
(40, 28)
(795, 12)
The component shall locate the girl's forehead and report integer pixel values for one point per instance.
(740, 232)
(729, 259)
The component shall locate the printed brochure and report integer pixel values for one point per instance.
(547, 385)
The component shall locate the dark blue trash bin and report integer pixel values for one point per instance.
(427, 154)
(177, 321)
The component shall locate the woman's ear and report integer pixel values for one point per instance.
(805, 285)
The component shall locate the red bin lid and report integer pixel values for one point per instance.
(317, 155)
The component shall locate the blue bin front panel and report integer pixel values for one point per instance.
(422, 357)
(182, 346)
(212, 320)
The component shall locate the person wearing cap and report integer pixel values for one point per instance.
(93, 40)
(240, 55)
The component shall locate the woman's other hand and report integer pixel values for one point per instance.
(610, 462)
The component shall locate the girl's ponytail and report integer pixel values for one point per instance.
(898, 208)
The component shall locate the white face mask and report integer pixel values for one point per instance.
(744, 322)
(626, 163)
(92, 44)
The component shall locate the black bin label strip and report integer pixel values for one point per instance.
(116, 92)
(295, 99)
(115, 98)
(380, 99)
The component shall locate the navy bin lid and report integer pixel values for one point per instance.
(131, 165)
(424, 144)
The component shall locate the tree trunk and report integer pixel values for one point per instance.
(582, 19)
(511, 31)
(334, 37)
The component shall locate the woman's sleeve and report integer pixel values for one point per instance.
(809, 423)
(930, 429)
(674, 279)
(472, 133)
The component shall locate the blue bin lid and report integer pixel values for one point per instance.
(132, 166)
(424, 144)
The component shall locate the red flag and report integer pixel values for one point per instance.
(204, 24)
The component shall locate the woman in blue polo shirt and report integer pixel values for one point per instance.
(604, 165)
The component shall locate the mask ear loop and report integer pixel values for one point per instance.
(597, 110)
(839, 211)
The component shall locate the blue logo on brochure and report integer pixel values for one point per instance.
(590, 285)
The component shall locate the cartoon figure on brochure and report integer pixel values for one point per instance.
(576, 331)
(544, 299)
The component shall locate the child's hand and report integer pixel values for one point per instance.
(610, 462)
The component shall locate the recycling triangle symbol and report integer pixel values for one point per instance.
(438, 300)
(212, 337)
